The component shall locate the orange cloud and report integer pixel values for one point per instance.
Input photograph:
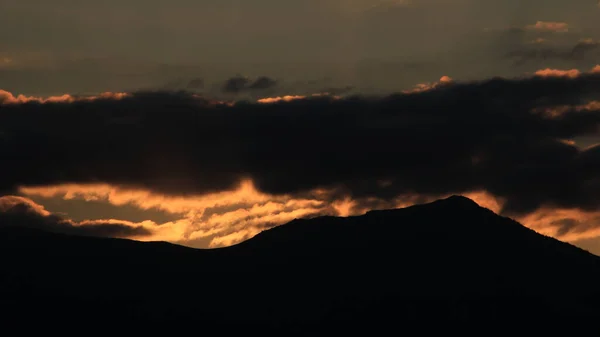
(226, 217)
(565, 224)
(9, 202)
(553, 26)
(288, 98)
(8, 98)
(216, 215)
(571, 73)
(557, 111)
(229, 217)
(428, 86)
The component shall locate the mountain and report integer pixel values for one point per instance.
(448, 266)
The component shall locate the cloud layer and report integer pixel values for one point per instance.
(18, 211)
(512, 138)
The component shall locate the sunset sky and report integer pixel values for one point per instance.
(205, 122)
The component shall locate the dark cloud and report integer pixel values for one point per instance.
(239, 84)
(451, 139)
(262, 82)
(235, 84)
(536, 53)
(22, 212)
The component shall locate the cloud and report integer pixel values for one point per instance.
(568, 224)
(552, 26)
(570, 73)
(217, 217)
(8, 98)
(359, 152)
(578, 52)
(22, 212)
(229, 217)
(548, 72)
(262, 82)
(428, 86)
(289, 98)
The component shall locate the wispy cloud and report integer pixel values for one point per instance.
(19, 211)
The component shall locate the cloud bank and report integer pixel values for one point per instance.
(511, 139)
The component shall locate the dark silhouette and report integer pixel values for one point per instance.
(447, 266)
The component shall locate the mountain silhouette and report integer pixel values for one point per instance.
(449, 266)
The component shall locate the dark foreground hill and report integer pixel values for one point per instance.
(445, 266)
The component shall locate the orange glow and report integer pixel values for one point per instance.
(229, 217)
(9, 201)
(217, 215)
(559, 27)
(344, 207)
(571, 73)
(428, 86)
(547, 220)
(226, 217)
(288, 98)
(8, 98)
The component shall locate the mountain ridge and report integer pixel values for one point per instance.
(449, 261)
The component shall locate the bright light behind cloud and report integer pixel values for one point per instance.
(229, 217)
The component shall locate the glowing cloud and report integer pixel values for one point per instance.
(289, 98)
(559, 27)
(8, 98)
(229, 217)
(564, 224)
(572, 73)
(217, 215)
(285, 166)
(444, 80)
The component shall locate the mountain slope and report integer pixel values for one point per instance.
(449, 262)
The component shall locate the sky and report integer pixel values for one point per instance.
(205, 122)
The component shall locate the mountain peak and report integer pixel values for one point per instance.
(459, 200)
